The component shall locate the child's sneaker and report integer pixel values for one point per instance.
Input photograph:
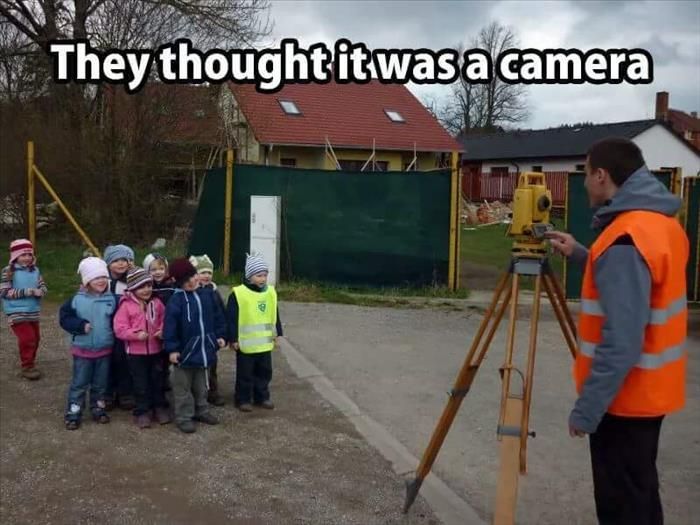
(143, 421)
(245, 407)
(269, 405)
(72, 424)
(162, 415)
(207, 418)
(188, 427)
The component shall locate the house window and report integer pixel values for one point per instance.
(394, 116)
(356, 165)
(499, 170)
(290, 163)
(537, 169)
(289, 107)
(580, 167)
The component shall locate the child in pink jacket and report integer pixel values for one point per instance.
(139, 323)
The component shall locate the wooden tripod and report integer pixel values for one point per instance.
(513, 429)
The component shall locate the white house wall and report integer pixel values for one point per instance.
(526, 165)
(661, 148)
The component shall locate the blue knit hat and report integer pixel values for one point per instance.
(118, 251)
(254, 264)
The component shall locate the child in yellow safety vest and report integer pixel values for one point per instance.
(254, 326)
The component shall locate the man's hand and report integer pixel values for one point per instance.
(562, 243)
(575, 432)
(221, 342)
(174, 358)
(87, 328)
(142, 335)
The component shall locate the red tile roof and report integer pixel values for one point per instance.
(350, 115)
(681, 121)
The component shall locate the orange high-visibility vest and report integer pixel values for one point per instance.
(656, 384)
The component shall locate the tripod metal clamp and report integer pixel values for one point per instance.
(458, 392)
(509, 430)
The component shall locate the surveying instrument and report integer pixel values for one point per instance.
(532, 203)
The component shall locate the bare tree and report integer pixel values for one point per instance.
(209, 22)
(486, 106)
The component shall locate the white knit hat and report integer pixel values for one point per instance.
(151, 258)
(254, 263)
(91, 268)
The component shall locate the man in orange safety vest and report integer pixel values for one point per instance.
(630, 368)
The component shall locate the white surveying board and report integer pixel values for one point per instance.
(265, 231)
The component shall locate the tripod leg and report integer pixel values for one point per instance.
(559, 309)
(460, 389)
(530, 374)
(511, 418)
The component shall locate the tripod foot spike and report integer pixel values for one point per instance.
(412, 488)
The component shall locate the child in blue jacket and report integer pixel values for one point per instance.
(88, 318)
(193, 333)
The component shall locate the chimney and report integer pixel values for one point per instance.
(694, 114)
(662, 105)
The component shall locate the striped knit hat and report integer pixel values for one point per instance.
(136, 278)
(21, 247)
(254, 264)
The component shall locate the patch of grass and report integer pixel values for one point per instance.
(309, 292)
(490, 246)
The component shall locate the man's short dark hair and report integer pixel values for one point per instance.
(618, 156)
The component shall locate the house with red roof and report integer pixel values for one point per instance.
(361, 127)
(684, 124)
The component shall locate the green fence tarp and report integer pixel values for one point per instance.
(578, 223)
(691, 194)
(388, 228)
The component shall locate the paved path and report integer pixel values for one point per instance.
(397, 365)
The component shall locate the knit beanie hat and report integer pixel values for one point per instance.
(202, 263)
(136, 278)
(118, 251)
(151, 258)
(254, 264)
(181, 270)
(91, 268)
(20, 247)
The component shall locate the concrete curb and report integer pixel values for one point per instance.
(447, 505)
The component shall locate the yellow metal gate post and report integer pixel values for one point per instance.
(227, 211)
(31, 206)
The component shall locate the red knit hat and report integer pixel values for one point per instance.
(21, 247)
(181, 270)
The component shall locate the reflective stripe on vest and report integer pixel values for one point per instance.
(257, 317)
(656, 384)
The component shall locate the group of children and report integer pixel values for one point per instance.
(138, 332)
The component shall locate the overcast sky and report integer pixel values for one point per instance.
(669, 30)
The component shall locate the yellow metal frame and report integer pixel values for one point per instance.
(228, 210)
(33, 171)
(455, 205)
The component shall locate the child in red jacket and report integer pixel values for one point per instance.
(139, 323)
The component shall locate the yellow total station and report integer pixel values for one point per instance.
(532, 202)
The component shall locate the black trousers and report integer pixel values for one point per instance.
(625, 480)
(253, 375)
(147, 375)
(120, 384)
